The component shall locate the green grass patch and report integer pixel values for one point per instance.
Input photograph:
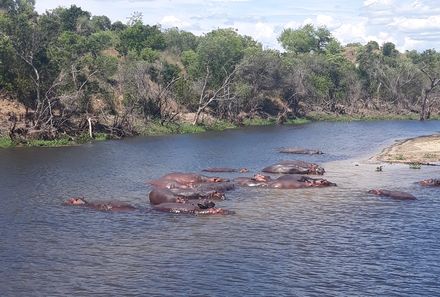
(154, 128)
(351, 118)
(273, 121)
(50, 143)
(429, 156)
(400, 157)
(259, 122)
(220, 126)
(85, 138)
(415, 166)
(5, 142)
(101, 137)
(297, 121)
(187, 128)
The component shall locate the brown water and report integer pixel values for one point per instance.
(308, 242)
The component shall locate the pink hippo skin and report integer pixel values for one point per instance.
(101, 205)
(392, 194)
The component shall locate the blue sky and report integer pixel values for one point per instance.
(410, 24)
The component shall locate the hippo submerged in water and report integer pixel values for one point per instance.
(283, 182)
(295, 150)
(100, 205)
(207, 208)
(189, 193)
(158, 196)
(184, 180)
(432, 182)
(225, 169)
(299, 181)
(258, 180)
(295, 167)
(393, 194)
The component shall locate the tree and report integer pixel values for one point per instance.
(138, 37)
(71, 17)
(100, 23)
(389, 49)
(118, 26)
(429, 65)
(259, 76)
(305, 39)
(219, 51)
(180, 41)
(20, 29)
(207, 96)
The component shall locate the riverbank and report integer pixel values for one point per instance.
(418, 150)
(155, 128)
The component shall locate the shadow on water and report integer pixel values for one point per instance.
(308, 242)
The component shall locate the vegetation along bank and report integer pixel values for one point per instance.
(67, 76)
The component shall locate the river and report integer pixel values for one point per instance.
(335, 241)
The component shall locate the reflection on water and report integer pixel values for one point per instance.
(312, 242)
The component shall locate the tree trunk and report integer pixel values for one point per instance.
(197, 116)
(89, 120)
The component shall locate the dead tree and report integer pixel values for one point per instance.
(207, 97)
(434, 81)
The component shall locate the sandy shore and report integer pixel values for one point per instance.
(423, 150)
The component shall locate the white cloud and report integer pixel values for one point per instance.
(409, 43)
(264, 30)
(352, 32)
(411, 24)
(416, 24)
(292, 24)
(173, 21)
(377, 2)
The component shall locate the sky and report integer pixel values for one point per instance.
(409, 24)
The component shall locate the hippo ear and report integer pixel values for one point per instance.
(201, 206)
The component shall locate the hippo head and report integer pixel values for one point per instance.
(217, 195)
(322, 183)
(261, 178)
(75, 201)
(206, 205)
(375, 192)
(319, 171)
(181, 199)
(430, 182)
(216, 180)
(243, 170)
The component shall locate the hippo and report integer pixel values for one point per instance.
(191, 194)
(158, 196)
(258, 180)
(393, 194)
(432, 182)
(298, 181)
(295, 167)
(181, 180)
(219, 187)
(167, 184)
(312, 182)
(225, 169)
(207, 208)
(192, 178)
(295, 150)
(100, 205)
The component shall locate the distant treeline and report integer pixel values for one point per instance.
(70, 69)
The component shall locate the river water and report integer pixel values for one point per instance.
(336, 241)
